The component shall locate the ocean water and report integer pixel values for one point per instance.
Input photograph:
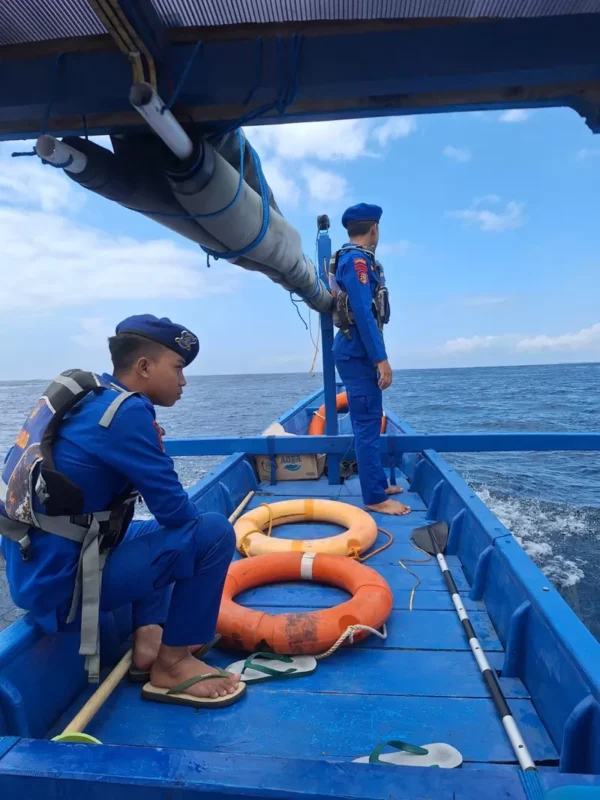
(549, 501)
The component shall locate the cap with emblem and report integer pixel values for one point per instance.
(163, 331)
(363, 212)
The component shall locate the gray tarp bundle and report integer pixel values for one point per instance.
(143, 176)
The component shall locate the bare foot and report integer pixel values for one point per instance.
(146, 644)
(394, 490)
(177, 664)
(390, 507)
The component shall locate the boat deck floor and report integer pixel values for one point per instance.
(420, 685)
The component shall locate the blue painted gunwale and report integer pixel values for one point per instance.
(426, 681)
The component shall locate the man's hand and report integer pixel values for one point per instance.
(385, 374)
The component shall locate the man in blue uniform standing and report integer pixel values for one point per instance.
(88, 449)
(362, 309)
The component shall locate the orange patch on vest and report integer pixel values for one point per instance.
(22, 440)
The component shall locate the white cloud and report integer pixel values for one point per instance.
(26, 181)
(49, 260)
(325, 187)
(337, 140)
(95, 332)
(491, 221)
(469, 345)
(285, 189)
(342, 140)
(394, 128)
(481, 301)
(515, 115)
(588, 152)
(581, 340)
(399, 248)
(307, 142)
(460, 154)
(584, 340)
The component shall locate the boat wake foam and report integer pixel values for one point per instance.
(546, 531)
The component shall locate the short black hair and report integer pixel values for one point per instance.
(360, 228)
(126, 348)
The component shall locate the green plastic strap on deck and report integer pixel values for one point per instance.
(398, 745)
(181, 687)
(249, 662)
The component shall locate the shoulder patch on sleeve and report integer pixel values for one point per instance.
(361, 269)
(160, 433)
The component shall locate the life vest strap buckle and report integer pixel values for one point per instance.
(25, 548)
(82, 520)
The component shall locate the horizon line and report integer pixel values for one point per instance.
(314, 374)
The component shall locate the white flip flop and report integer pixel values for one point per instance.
(272, 667)
(437, 754)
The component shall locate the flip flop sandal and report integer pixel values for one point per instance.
(408, 755)
(178, 696)
(136, 675)
(261, 667)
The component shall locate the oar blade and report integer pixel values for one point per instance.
(424, 537)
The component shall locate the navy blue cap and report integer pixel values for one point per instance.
(363, 212)
(163, 331)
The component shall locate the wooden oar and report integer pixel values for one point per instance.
(74, 730)
(241, 506)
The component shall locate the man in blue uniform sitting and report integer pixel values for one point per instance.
(88, 449)
(362, 309)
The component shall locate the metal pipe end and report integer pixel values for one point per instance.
(140, 94)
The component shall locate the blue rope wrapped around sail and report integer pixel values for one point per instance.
(218, 198)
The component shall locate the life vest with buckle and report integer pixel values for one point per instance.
(343, 318)
(34, 495)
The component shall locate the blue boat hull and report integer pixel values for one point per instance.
(421, 685)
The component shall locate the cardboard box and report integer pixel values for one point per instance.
(292, 466)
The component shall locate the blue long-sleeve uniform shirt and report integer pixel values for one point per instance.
(356, 275)
(102, 462)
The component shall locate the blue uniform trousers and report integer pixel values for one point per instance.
(365, 404)
(171, 576)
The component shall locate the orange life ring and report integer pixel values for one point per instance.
(307, 633)
(317, 423)
(360, 534)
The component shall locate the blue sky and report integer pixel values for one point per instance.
(489, 238)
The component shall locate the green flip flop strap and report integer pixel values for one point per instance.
(397, 745)
(249, 662)
(181, 687)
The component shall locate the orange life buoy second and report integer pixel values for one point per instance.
(307, 633)
(360, 533)
(317, 423)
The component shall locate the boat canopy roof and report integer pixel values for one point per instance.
(265, 61)
(25, 21)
